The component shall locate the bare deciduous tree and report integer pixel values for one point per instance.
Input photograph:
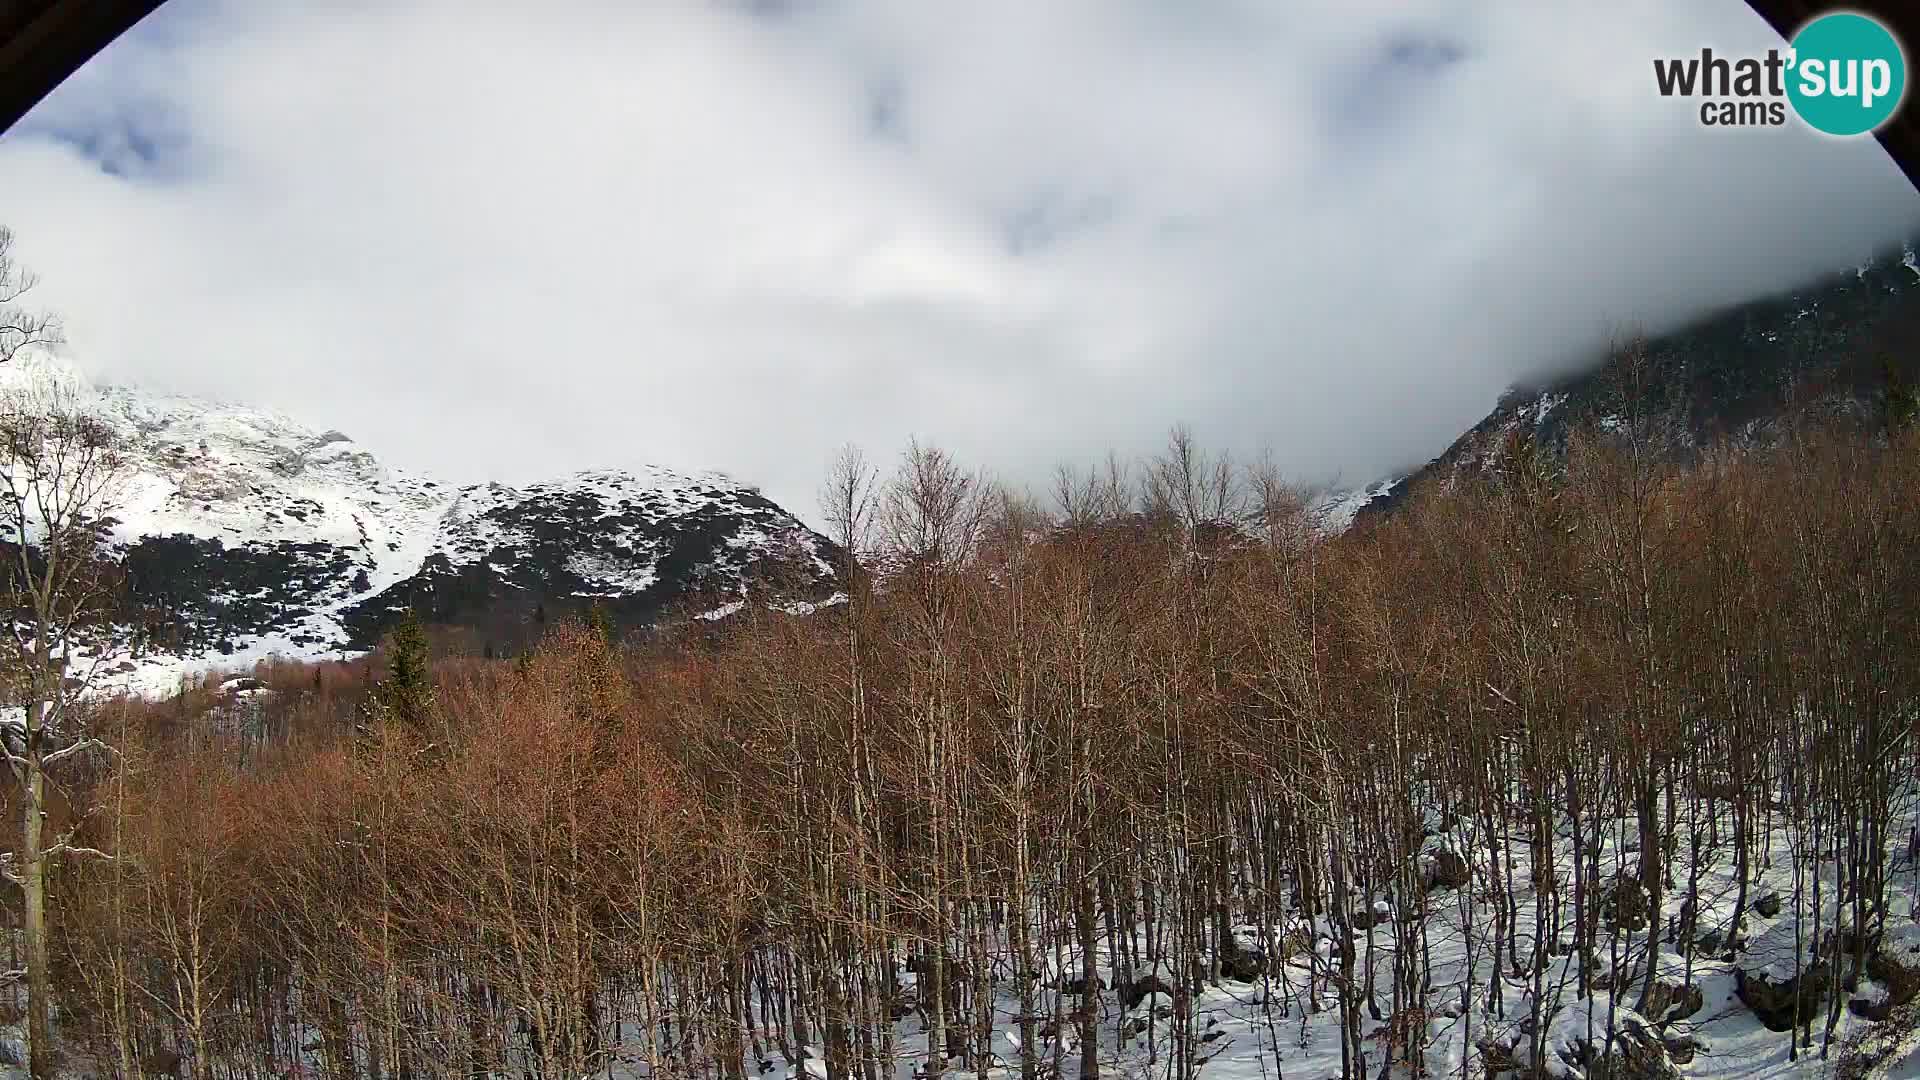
(20, 326)
(60, 474)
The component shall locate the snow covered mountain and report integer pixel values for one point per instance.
(245, 533)
(1827, 349)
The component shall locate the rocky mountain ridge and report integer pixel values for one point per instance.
(244, 533)
(1834, 349)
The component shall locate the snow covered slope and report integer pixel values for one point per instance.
(246, 533)
(1333, 512)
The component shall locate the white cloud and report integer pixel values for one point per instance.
(495, 245)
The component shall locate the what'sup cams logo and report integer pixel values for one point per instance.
(1843, 74)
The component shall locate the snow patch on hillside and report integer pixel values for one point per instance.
(1334, 513)
(266, 486)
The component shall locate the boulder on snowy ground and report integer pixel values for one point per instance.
(1623, 904)
(1882, 1051)
(1893, 965)
(1769, 984)
(1242, 963)
(1379, 913)
(1134, 992)
(1669, 1001)
(1576, 1046)
(1782, 1003)
(1445, 869)
(1076, 985)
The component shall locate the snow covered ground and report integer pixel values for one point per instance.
(1474, 1020)
(1475, 1024)
(1270, 1029)
(1476, 1016)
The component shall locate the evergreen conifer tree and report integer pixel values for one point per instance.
(597, 677)
(407, 694)
(1902, 404)
(601, 623)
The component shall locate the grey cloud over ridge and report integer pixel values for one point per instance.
(492, 245)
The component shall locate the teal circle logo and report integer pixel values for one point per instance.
(1848, 74)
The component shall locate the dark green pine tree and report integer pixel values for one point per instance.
(596, 680)
(601, 623)
(405, 697)
(407, 693)
(1902, 404)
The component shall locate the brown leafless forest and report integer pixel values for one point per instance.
(1065, 777)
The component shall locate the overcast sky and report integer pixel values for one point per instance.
(494, 244)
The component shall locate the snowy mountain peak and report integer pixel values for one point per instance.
(247, 533)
